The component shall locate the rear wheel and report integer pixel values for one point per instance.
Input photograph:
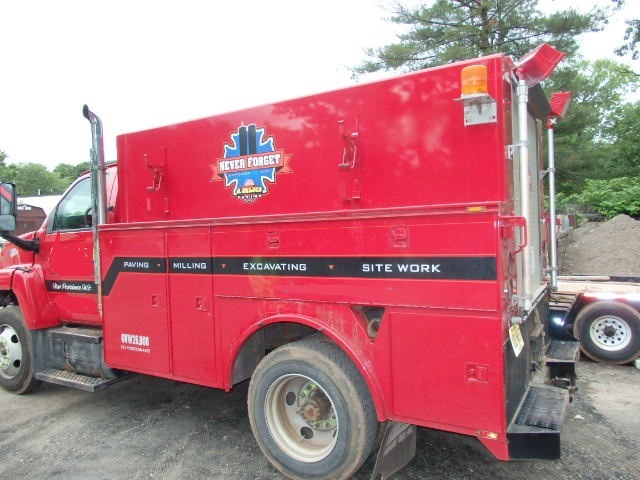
(609, 332)
(311, 412)
(16, 353)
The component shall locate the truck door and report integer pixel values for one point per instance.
(66, 256)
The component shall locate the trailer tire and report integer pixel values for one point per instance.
(609, 332)
(311, 412)
(16, 353)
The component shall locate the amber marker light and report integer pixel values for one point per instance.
(479, 107)
(474, 80)
(487, 435)
(476, 209)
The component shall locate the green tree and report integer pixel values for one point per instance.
(68, 173)
(585, 142)
(632, 40)
(451, 30)
(631, 45)
(611, 197)
(623, 131)
(34, 179)
(7, 172)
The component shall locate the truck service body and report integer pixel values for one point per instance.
(372, 254)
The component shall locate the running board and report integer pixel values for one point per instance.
(74, 380)
(534, 432)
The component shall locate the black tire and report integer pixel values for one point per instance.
(311, 412)
(609, 332)
(16, 353)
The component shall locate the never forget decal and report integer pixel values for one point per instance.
(249, 162)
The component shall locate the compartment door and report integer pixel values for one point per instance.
(136, 325)
(191, 299)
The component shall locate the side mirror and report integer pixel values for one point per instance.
(7, 207)
(8, 222)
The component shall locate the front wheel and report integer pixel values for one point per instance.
(311, 412)
(16, 357)
(609, 332)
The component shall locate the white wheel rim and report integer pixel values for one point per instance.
(10, 352)
(301, 418)
(610, 333)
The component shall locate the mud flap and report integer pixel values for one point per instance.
(398, 448)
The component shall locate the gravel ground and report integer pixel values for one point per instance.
(149, 428)
(602, 248)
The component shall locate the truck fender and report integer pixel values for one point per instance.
(358, 357)
(28, 287)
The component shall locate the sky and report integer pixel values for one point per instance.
(141, 64)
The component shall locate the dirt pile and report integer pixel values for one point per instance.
(604, 248)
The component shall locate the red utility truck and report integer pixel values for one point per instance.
(372, 257)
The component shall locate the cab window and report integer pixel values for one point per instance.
(74, 210)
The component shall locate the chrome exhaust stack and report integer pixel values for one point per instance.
(98, 193)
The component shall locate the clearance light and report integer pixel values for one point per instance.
(476, 209)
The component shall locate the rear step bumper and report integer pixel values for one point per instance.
(534, 432)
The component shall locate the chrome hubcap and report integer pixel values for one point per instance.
(10, 352)
(301, 418)
(610, 333)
